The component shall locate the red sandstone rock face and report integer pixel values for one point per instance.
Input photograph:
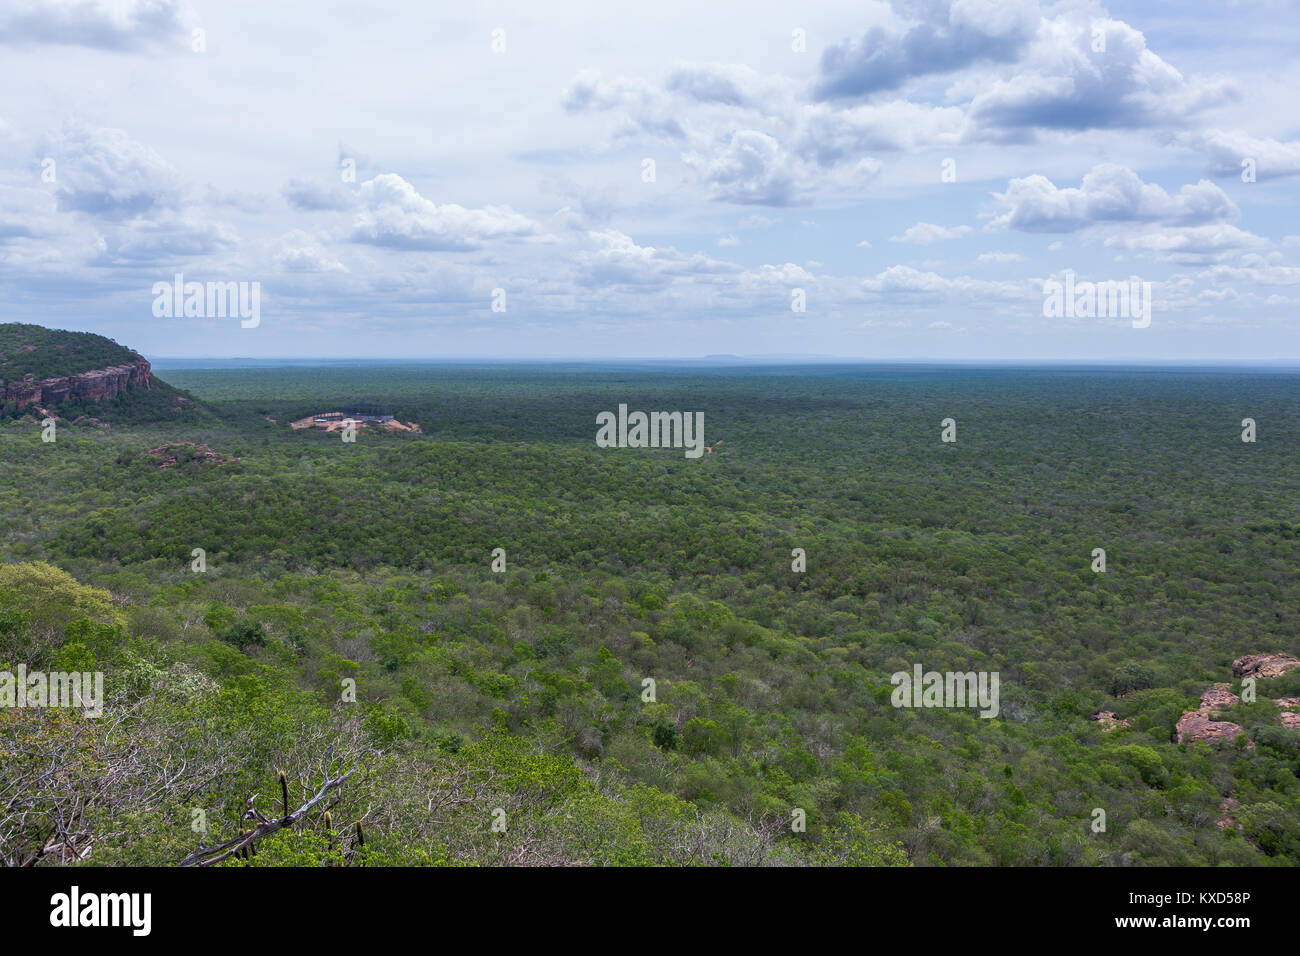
(92, 386)
(1217, 697)
(1263, 665)
(1200, 725)
(1195, 725)
(1290, 716)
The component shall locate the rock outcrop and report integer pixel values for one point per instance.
(1195, 725)
(1290, 716)
(1216, 697)
(1263, 665)
(1200, 724)
(1203, 723)
(170, 454)
(92, 386)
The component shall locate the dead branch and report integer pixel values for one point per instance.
(206, 856)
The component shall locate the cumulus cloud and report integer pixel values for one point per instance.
(615, 259)
(645, 108)
(105, 173)
(169, 237)
(943, 37)
(1193, 244)
(831, 134)
(300, 252)
(746, 138)
(1109, 193)
(393, 214)
(755, 168)
(623, 275)
(104, 24)
(760, 139)
(925, 233)
(1226, 151)
(752, 168)
(908, 283)
(728, 84)
(786, 274)
(1062, 83)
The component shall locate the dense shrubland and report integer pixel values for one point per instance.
(329, 563)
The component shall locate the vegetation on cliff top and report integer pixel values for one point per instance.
(46, 353)
(53, 353)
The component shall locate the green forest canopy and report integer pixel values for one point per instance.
(329, 562)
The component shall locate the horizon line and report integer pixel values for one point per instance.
(749, 360)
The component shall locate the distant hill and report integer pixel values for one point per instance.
(74, 374)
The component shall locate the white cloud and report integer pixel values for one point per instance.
(1063, 84)
(728, 84)
(299, 252)
(615, 259)
(169, 237)
(1258, 272)
(752, 168)
(644, 108)
(925, 233)
(1109, 193)
(393, 214)
(831, 134)
(105, 173)
(311, 196)
(1191, 244)
(906, 282)
(1226, 151)
(546, 203)
(106, 24)
(943, 36)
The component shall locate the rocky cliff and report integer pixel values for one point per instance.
(92, 386)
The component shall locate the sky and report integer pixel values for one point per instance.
(862, 180)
